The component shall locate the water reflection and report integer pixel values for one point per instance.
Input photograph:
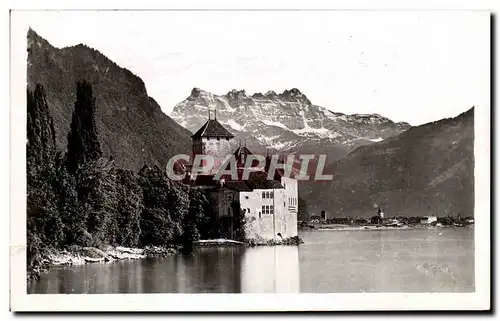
(341, 261)
(209, 270)
(271, 270)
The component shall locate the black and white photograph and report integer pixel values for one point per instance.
(161, 153)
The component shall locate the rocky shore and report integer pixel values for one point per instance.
(78, 255)
(295, 240)
(82, 255)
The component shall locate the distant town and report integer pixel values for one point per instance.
(323, 221)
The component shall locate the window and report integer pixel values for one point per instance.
(267, 194)
(267, 209)
(218, 138)
(227, 138)
(248, 210)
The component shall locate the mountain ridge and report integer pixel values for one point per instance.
(132, 127)
(428, 169)
(285, 122)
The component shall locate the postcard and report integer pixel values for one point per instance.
(250, 160)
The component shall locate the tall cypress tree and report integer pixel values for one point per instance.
(40, 147)
(43, 224)
(83, 144)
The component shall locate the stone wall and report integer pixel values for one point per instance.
(221, 201)
(292, 204)
(218, 148)
(260, 226)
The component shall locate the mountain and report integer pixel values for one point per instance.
(131, 126)
(286, 122)
(428, 169)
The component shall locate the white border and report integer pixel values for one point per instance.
(20, 301)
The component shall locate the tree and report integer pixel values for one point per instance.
(303, 210)
(40, 147)
(64, 186)
(194, 219)
(130, 207)
(166, 204)
(97, 198)
(238, 220)
(43, 224)
(83, 143)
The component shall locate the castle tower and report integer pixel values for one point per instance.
(214, 140)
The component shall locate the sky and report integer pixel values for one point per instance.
(408, 66)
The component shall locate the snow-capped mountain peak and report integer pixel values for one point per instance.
(285, 121)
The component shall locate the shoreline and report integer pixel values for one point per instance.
(340, 227)
(86, 255)
(79, 255)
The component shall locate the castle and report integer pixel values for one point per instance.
(269, 206)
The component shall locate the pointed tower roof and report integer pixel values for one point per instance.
(212, 128)
(242, 150)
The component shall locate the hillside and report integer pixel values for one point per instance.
(131, 126)
(428, 169)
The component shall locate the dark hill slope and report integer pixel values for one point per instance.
(428, 169)
(132, 128)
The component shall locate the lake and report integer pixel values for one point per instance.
(411, 260)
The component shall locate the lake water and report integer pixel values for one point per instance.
(420, 260)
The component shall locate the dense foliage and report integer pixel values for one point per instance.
(81, 198)
(83, 144)
(238, 220)
(303, 214)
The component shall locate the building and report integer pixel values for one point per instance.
(270, 206)
(428, 219)
(379, 218)
(214, 140)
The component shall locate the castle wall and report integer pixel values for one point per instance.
(221, 201)
(291, 188)
(219, 148)
(262, 226)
